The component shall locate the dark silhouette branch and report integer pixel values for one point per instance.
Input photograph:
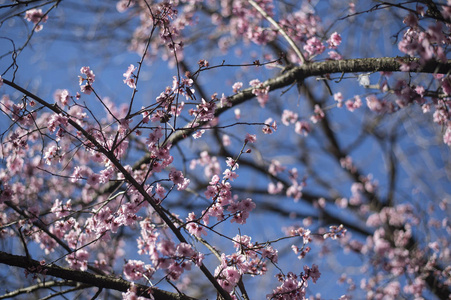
(298, 74)
(101, 281)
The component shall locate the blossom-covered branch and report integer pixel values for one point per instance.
(92, 280)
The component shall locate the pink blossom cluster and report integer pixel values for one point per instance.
(132, 292)
(294, 190)
(178, 178)
(36, 16)
(204, 111)
(89, 79)
(301, 127)
(395, 257)
(427, 44)
(62, 97)
(246, 22)
(351, 104)
(305, 234)
(379, 106)
(163, 254)
(183, 86)
(260, 91)
(164, 16)
(249, 258)
(130, 79)
(294, 286)
(210, 163)
(223, 201)
(314, 46)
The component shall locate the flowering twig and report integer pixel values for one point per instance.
(280, 29)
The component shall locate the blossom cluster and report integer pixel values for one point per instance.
(36, 16)
(249, 258)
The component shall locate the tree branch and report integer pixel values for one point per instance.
(108, 282)
(298, 74)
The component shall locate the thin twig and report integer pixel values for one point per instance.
(280, 29)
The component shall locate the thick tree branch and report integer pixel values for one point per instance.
(44, 285)
(298, 74)
(107, 282)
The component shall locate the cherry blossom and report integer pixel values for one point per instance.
(36, 16)
(187, 182)
(130, 77)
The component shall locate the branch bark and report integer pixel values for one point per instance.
(107, 282)
(298, 74)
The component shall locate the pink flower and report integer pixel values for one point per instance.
(87, 89)
(184, 250)
(312, 273)
(129, 72)
(205, 111)
(352, 105)
(78, 260)
(289, 117)
(226, 140)
(228, 277)
(130, 77)
(270, 253)
(302, 128)
(314, 46)
(176, 176)
(232, 275)
(194, 228)
(61, 210)
(130, 82)
(269, 128)
(228, 174)
(93, 179)
(232, 163)
(51, 153)
(166, 247)
(374, 104)
(318, 114)
(334, 55)
(211, 191)
(90, 77)
(55, 121)
(339, 98)
(131, 292)
(160, 190)
(275, 188)
(275, 167)
(250, 138)
(334, 41)
(35, 16)
(198, 134)
(237, 86)
(260, 91)
(247, 205)
(135, 269)
(61, 97)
